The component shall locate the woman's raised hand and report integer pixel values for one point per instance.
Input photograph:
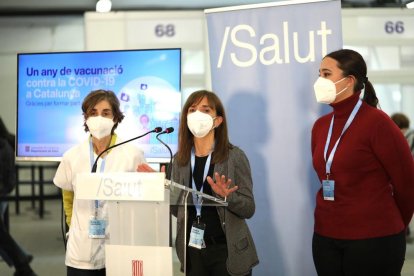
(221, 186)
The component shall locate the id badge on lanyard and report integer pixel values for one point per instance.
(97, 224)
(197, 235)
(198, 227)
(328, 188)
(328, 185)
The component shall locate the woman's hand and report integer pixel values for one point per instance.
(144, 167)
(221, 186)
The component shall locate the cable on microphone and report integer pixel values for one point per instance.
(155, 130)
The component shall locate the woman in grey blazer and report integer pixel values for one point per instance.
(218, 239)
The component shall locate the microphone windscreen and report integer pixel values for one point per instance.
(157, 129)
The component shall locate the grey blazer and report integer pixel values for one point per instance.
(242, 254)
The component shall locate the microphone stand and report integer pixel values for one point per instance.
(95, 164)
(168, 172)
(169, 169)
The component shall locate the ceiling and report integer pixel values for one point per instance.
(41, 7)
(80, 6)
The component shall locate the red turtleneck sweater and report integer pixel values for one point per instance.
(373, 172)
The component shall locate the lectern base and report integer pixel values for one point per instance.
(138, 260)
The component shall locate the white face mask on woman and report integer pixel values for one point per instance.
(99, 126)
(199, 123)
(325, 90)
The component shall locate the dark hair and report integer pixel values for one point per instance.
(185, 137)
(352, 63)
(400, 120)
(96, 96)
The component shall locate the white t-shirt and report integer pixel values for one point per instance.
(83, 252)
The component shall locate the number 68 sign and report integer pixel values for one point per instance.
(166, 31)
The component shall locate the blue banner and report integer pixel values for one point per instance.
(264, 60)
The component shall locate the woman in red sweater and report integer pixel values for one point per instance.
(366, 170)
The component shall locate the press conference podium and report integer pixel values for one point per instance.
(138, 241)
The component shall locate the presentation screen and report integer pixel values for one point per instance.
(52, 86)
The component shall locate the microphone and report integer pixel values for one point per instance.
(95, 164)
(167, 130)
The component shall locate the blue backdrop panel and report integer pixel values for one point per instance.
(264, 61)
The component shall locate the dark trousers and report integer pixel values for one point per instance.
(209, 261)
(71, 271)
(383, 256)
(11, 250)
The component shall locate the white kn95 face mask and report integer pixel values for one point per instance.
(199, 123)
(99, 126)
(325, 90)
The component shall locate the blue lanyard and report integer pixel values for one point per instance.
(102, 168)
(197, 199)
(328, 139)
(92, 157)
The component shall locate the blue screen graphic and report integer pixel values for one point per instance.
(52, 86)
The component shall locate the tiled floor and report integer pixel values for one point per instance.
(42, 238)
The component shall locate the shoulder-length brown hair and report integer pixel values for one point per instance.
(186, 138)
(96, 96)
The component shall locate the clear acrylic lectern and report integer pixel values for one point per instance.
(138, 241)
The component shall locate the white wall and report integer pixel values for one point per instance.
(27, 35)
(385, 38)
(141, 30)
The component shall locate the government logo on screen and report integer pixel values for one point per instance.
(137, 268)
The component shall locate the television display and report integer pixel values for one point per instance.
(52, 86)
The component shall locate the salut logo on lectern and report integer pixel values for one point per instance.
(137, 268)
(111, 187)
